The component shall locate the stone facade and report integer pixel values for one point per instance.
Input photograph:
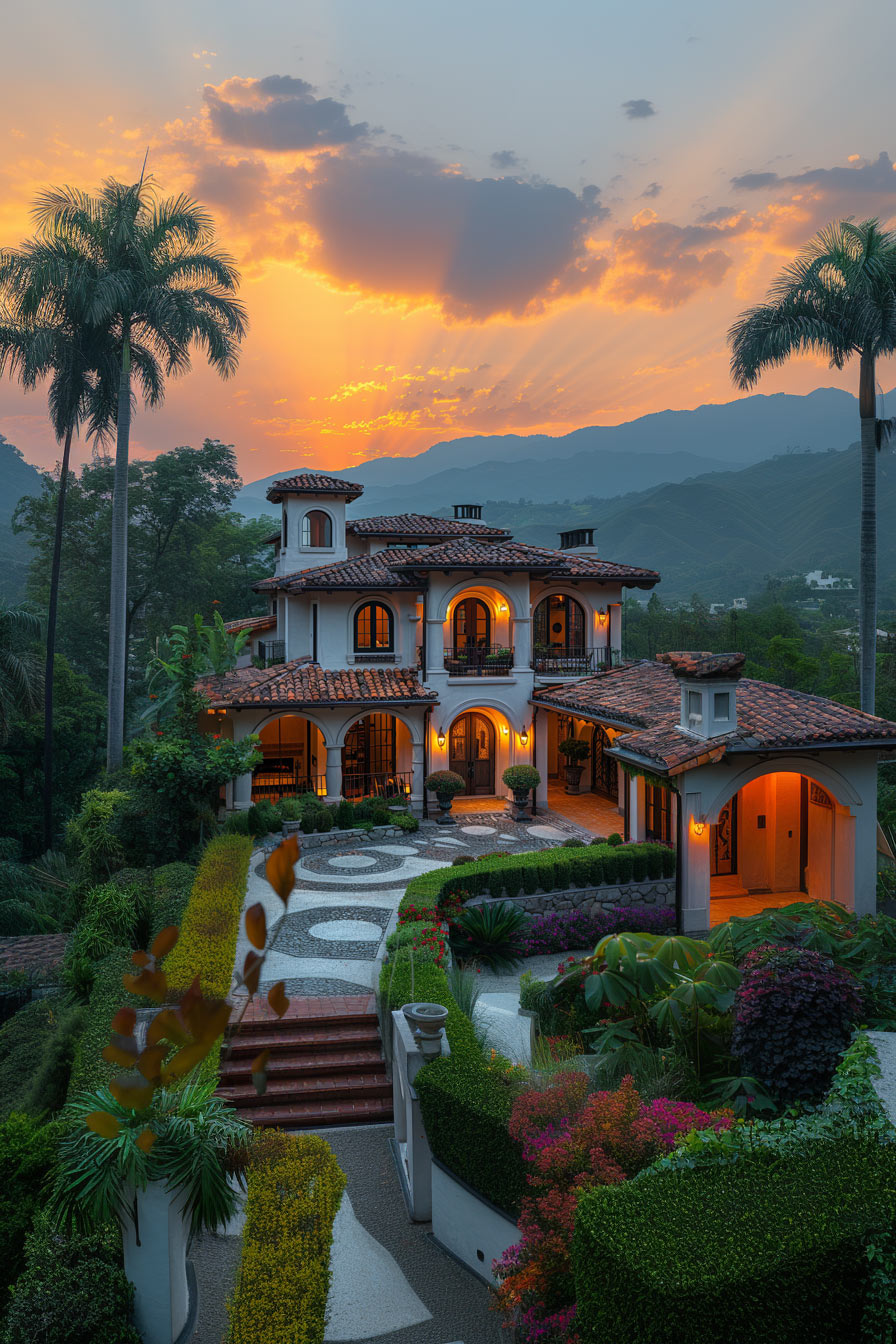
(656, 892)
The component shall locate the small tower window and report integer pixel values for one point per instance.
(317, 529)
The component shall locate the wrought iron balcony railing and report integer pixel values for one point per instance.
(488, 660)
(392, 784)
(274, 782)
(560, 662)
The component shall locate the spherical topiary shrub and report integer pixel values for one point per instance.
(521, 778)
(794, 1012)
(444, 781)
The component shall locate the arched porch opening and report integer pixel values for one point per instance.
(377, 758)
(478, 633)
(472, 752)
(781, 837)
(294, 759)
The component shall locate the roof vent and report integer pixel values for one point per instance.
(468, 510)
(577, 537)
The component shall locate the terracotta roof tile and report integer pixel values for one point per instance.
(646, 697)
(421, 525)
(360, 571)
(313, 483)
(304, 683)
(697, 666)
(473, 553)
(32, 952)
(253, 623)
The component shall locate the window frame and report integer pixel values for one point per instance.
(373, 606)
(305, 523)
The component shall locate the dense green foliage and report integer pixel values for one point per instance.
(27, 1155)
(73, 1291)
(207, 942)
(757, 1250)
(37, 1048)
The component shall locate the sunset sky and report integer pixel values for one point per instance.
(489, 216)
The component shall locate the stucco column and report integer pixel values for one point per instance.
(864, 841)
(334, 774)
(615, 630)
(540, 725)
(694, 867)
(637, 819)
(417, 754)
(521, 638)
(242, 792)
(435, 645)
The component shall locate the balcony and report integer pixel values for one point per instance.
(573, 662)
(271, 651)
(274, 780)
(488, 660)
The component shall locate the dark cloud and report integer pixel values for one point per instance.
(874, 177)
(402, 225)
(635, 108)
(652, 189)
(278, 113)
(502, 159)
(661, 265)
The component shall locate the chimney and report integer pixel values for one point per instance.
(579, 539)
(471, 511)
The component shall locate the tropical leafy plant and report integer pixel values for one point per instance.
(575, 749)
(490, 933)
(196, 1136)
(20, 679)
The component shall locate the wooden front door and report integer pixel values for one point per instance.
(604, 769)
(723, 842)
(472, 625)
(471, 752)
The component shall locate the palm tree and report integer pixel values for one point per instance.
(147, 277)
(42, 335)
(19, 664)
(837, 299)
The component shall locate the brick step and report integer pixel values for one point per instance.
(319, 1115)
(309, 1012)
(268, 1024)
(308, 1040)
(318, 1086)
(292, 1064)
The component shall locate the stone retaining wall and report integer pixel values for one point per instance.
(657, 891)
(317, 838)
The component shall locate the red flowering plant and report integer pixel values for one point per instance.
(572, 1141)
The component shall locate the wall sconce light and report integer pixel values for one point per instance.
(440, 738)
(502, 607)
(698, 827)
(504, 729)
(524, 736)
(602, 617)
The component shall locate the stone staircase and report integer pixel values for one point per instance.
(326, 1065)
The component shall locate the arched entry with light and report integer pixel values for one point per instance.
(559, 643)
(370, 755)
(294, 761)
(471, 752)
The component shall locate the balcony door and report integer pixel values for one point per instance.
(559, 625)
(471, 752)
(472, 625)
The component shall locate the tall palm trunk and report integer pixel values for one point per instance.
(118, 595)
(868, 534)
(51, 643)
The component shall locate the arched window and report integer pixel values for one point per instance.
(374, 629)
(559, 625)
(472, 625)
(317, 529)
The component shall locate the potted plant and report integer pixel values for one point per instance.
(445, 784)
(162, 1172)
(521, 780)
(499, 658)
(575, 749)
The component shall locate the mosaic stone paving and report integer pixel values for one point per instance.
(294, 936)
(313, 987)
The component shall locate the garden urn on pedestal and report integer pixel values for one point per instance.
(575, 749)
(444, 784)
(427, 1022)
(521, 780)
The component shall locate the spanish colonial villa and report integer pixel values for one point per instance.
(395, 646)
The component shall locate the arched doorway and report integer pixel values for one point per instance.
(472, 625)
(471, 752)
(368, 757)
(559, 625)
(604, 769)
(294, 759)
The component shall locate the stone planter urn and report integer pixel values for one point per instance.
(427, 1022)
(573, 775)
(154, 1240)
(445, 818)
(444, 784)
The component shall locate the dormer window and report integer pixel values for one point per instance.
(317, 529)
(721, 706)
(695, 709)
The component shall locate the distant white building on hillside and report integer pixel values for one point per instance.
(817, 579)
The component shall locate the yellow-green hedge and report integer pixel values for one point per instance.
(294, 1189)
(208, 933)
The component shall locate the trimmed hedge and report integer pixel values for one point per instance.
(465, 1104)
(294, 1189)
(37, 1048)
(89, 1069)
(207, 943)
(547, 869)
(767, 1248)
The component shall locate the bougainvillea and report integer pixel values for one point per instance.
(794, 1013)
(561, 930)
(572, 1141)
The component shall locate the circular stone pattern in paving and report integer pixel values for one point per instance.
(547, 833)
(302, 932)
(479, 830)
(356, 867)
(345, 930)
(351, 861)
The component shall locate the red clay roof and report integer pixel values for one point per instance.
(473, 553)
(313, 483)
(646, 696)
(304, 683)
(253, 623)
(359, 571)
(421, 525)
(705, 666)
(32, 951)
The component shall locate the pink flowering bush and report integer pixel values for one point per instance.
(572, 1141)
